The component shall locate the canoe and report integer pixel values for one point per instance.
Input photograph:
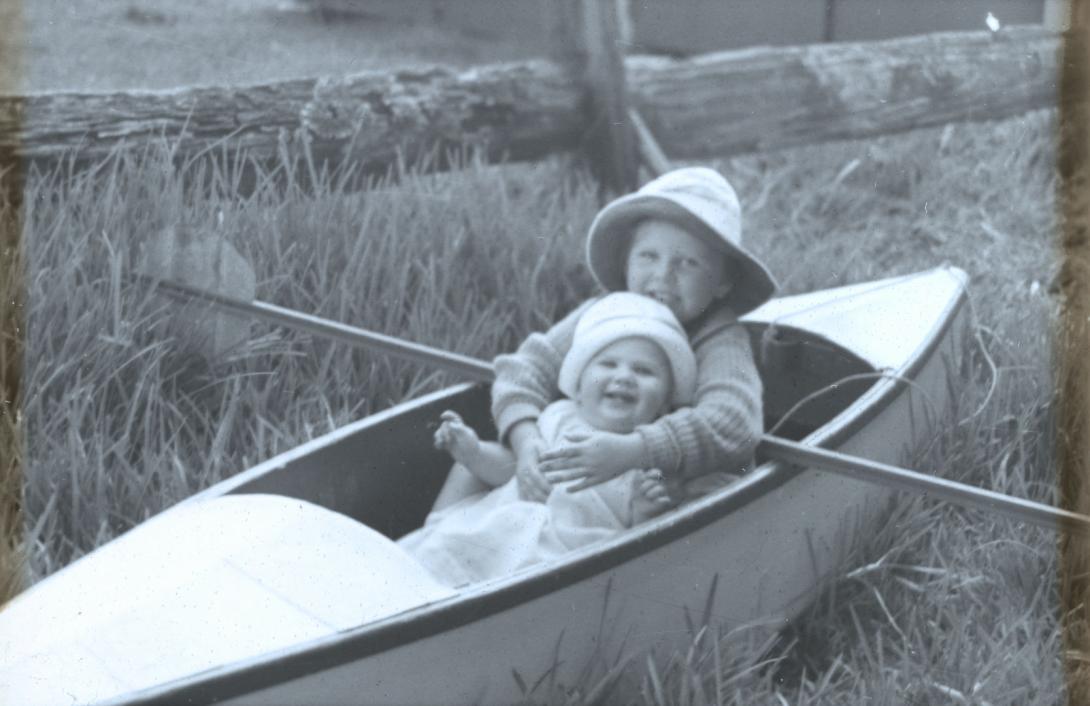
(282, 584)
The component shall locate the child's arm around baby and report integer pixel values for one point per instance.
(720, 432)
(526, 382)
(678, 239)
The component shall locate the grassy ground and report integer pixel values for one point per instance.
(101, 45)
(943, 604)
(121, 419)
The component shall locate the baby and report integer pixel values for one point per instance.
(677, 240)
(630, 362)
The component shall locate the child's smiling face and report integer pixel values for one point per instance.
(626, 384)
(667, 263)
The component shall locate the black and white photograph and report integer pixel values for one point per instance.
(552, 352)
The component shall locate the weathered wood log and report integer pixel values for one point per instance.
(715, 104)
(763, 98)
(526, 110)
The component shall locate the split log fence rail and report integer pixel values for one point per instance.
(723, 103)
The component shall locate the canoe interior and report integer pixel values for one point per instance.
(387, 474)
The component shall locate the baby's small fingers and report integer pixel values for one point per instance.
(653, 489)
(660, 491)
(664, 500)
(650, 486)
(533, 493)
(449, 415)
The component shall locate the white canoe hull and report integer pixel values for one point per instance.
(751, 556)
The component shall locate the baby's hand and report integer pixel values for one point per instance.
(652, 496)
(456, 438)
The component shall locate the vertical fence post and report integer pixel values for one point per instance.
(828, 30)
(590, 41)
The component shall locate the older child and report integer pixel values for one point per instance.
(628, 364)
(678, 240)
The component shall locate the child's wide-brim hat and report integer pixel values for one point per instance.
(697, 199)
(622, 315)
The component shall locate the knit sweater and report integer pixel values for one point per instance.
(718, 433)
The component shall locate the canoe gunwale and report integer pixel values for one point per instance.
(282, 460)
(503, 594)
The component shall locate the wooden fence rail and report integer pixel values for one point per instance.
(713, 104)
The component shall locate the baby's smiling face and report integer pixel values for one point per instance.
(626, 384)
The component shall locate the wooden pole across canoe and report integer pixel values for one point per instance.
(771, 447)
(472, 368)
(904, 479)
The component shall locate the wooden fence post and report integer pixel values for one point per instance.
(828, 31)
(590, 41)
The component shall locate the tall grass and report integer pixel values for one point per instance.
(942, 605)
(12, 303)
(127, 418)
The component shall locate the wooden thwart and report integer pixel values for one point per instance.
(771, 447)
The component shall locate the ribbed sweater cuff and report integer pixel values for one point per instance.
(512, 414)
(661, 449)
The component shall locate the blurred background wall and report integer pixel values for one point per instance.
(694, 26)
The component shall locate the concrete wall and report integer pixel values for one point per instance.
(881, 19)
(691, 26)
(707, 25)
